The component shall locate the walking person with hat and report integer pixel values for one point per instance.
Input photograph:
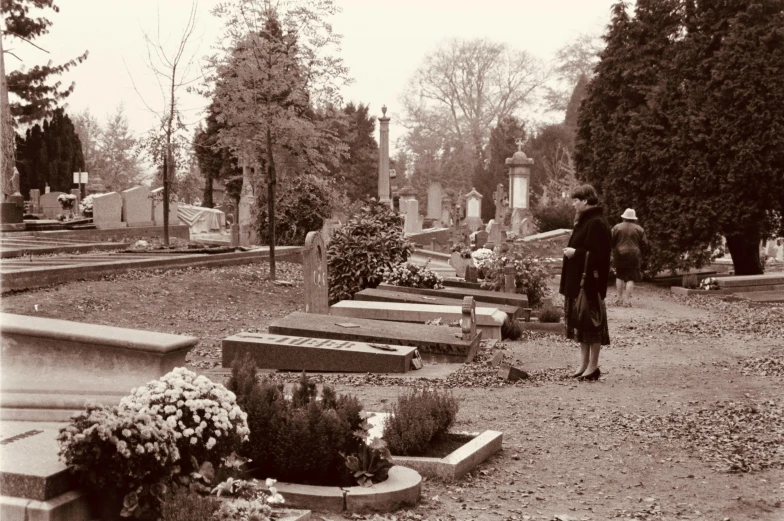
(628, 244)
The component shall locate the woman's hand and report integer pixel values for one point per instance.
(569, 252)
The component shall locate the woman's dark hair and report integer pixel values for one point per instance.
(586, 193)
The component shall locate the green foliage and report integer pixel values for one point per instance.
(549, 313)
(49, 154)
(555, 214)
(301, 206)
(298, 440)
(373, 461)
(417, 417)
(215, 162)
(510, 329)
(530, 275)
(359, 251)
(357, 171)
(659, 127)
(184, 505)
(412, 276)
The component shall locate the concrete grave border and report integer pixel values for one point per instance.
(461, 461)
(558, 328)
(403, 487)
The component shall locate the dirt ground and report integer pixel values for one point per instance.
(686, 422)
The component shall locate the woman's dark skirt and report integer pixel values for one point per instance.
(601, 336)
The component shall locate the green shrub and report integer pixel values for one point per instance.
(301, 206)
(418, 417)
(530, 276)
(510, 330)
(299, 439)
(555, 215)
(412, 276)
(184, 505)
(359, 251)
(549, 314)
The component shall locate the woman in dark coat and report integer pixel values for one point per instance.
(591, 236)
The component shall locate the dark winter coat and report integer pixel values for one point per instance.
(591, 234)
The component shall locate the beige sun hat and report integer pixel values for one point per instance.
(629, 214)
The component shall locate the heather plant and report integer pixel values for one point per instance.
(510, 330)
(417, 417)
(359, 251)
(298, 438)
(412, 276)
(548, 313)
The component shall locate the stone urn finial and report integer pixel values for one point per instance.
(384, 110)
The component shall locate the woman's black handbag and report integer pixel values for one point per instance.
(586, 315)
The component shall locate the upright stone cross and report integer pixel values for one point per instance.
(314, 272)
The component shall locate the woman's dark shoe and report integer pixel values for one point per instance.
(592, 376)
(577, 375)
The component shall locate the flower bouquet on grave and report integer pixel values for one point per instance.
(709, 283)
(67, 203)
(86, 206)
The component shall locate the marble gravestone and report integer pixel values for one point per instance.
(434, 196)
(107, 210)
(314, 273)
(473, 207)
(413, 221)
(137, 207)
(35, 201)
(50, 206)
(157, 208)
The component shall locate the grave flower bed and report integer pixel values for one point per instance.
(413, 276)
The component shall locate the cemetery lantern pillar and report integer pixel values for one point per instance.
(519, 187)
(383, 159)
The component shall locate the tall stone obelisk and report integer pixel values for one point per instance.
(383, 159)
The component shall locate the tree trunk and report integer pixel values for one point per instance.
(7, 133)
(745, 254)
(166, 199)
(207, 196)
(271, 182)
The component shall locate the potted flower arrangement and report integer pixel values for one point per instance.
(86, 206)
(482, 257)
(709, 284)
(67, 203)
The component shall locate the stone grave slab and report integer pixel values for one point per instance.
(389, 295)
(480, 295)
(743, 281)
(297, 353)
(441, 342)
(137, 207)
(488, 320)
(107, 210)
(157, 208)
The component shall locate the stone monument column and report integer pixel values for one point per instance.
(519, 187)
(248, 235)
(383, 159)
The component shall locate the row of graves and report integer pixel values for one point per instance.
(51, 367)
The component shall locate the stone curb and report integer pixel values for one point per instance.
(403, 487)
(460, 462)
(547, 327)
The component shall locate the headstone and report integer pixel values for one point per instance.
(468, 321)
(383, 159)
(471, 274)
(235, 235)
(526, 227)
(50, 206)
(446, 211)
(511, 373)
(248, 226)
(330, 225)
(434, 195)
(157, 208)
(107, 210)
(519, 180)
(295, 353)
(47, 189)
(496, 235)
(488, 320)
(481, 238)
(473, 207)
(510, 285)
(35, 201)
(441, 341)
(499, 198)
(137, 207)
(314, 273)
(413, 221)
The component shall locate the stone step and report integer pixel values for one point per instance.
(296, 353)
(480, 295)
(751, 280)
(488, 320)
(437, 341)
(389, 295)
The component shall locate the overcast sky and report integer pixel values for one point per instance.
(383, 43)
